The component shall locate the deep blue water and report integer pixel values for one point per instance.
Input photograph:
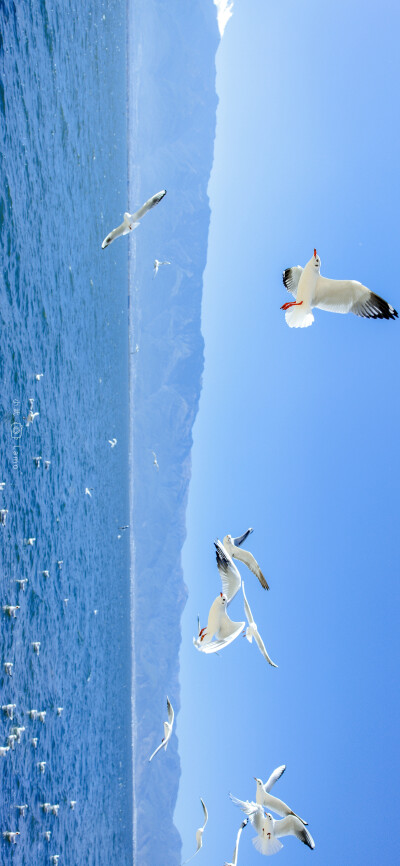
(63, 313)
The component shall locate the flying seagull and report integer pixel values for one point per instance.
(268, 829)
(113, 442)
(131, 221)
(265, 799)
(167, 730)
(252, 631)
(156, 266)
(336, 296)
(199, 833)
(155, 461)
(235, 853)
(233, 547)
(219, 623)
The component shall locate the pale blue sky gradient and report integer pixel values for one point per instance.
(297, 436)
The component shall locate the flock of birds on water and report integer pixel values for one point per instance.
(14, 737)
(310, 291)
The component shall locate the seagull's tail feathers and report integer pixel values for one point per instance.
(299, 317)
(267, 846)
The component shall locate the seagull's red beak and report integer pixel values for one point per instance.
(315, 254)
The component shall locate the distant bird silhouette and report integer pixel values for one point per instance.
(36, 646)
(8, 666)
(157, 265)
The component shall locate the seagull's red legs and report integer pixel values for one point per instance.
(291, 304)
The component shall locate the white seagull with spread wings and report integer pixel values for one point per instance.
(219, 623)
(252, 631)
(265, 799)
(269, 830)
(167, 730)
(131, 221)
(199, 833)
(232, 546)
(336, 296)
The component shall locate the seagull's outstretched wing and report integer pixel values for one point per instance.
(170, 712)
(248, 559)
(151, 202)
(350, 296)
(291, 279)
(161, 746)
(274, 777)
(205, 812)
(228, 572)
(292, 826)
(260, 643)
(247, 806)
(249, 615)
(241, 538)
(236, 849)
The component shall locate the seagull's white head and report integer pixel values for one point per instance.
(223, 599)
(259, 782)
(316, 261)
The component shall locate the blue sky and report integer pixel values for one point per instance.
(297, 436)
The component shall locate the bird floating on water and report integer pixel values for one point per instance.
(11, 835)
(8, 666)
(11, 609)
(31, 417)
(131, 221)
(336, 296)
(36, 646)
(21, 583)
